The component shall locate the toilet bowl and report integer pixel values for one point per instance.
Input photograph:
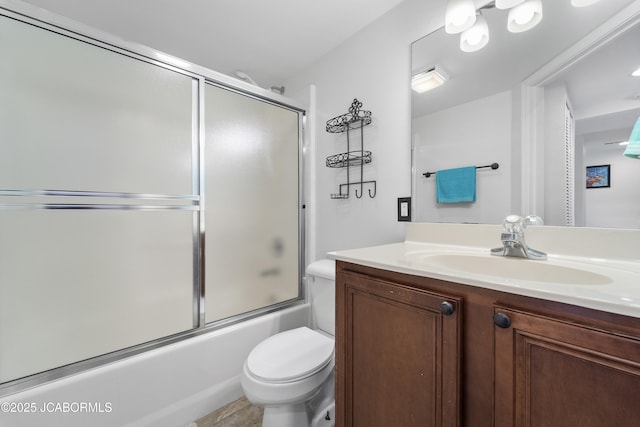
(291, 374)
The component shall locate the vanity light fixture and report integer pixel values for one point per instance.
(583, 3)
(524, 16)
(429, 79)
(633, 148)
(636, 73)
(476, 37)
(460, 16)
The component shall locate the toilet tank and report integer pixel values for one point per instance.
(321, 284)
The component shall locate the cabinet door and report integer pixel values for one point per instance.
(553, 373)
(397, 355)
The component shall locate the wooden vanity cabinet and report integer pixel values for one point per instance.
(550, 372)
(397, 354)
(499, 359)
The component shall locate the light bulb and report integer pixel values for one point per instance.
(460, 16)
(476, 37)
(459, 19)
(524, 16)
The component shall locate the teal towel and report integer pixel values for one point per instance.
(456, 185)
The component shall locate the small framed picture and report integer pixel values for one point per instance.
(599, 176)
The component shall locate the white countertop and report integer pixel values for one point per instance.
(620, 293)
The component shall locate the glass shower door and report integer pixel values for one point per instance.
(115, 171)
(97, 202)
(251, 203)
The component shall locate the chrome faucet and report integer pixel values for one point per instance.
(512, 237)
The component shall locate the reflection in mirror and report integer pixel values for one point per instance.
(490, 110)
(605, 103)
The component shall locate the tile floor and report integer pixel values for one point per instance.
(240, 413)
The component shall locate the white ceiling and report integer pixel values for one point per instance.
(601, 83)
(268, 40)
(273, 40)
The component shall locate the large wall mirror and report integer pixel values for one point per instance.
(543, 104)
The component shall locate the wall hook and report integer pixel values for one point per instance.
(359, 196)
(374, 190)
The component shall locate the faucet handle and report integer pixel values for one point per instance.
(513, 224)
(532, 220)
(512, 219)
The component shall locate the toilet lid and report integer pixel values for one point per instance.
(290, 355)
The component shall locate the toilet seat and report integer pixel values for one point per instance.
(290, 356)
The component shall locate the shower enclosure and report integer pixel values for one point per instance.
(140, 203)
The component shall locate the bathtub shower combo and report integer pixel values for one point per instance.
(142, 202)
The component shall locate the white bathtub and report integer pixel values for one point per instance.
(169, 386)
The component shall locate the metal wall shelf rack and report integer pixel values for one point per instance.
(346, 123)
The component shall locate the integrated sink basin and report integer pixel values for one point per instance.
(511, 268)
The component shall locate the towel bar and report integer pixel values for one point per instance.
(492, 166)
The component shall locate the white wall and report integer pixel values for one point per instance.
(475, 133)
(619, 205)
(373, 66)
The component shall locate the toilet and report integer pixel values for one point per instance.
(291, 374)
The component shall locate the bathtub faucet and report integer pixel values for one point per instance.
(512, 237)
